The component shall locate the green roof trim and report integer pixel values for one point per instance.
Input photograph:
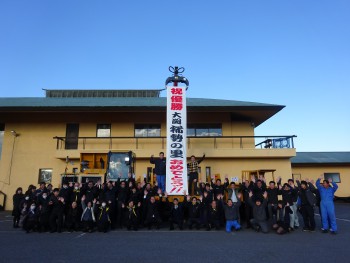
(120, 102)
(321, 158)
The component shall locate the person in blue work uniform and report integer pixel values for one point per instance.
(159, 169)
(327, 205)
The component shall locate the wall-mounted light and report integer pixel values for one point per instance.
(14, 133)
(252, 124)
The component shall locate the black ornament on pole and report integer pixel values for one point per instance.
(177, 78)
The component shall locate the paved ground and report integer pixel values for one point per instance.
(186, 246)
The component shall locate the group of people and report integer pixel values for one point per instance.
(213, 205)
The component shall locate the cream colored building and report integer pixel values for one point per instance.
(38, 134)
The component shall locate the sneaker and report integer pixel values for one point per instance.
(333, 232)
(306, 229)
(296, 227)
(324, 230)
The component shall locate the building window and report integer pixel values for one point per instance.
(103, 130)
(72, 136)
(2, 131)
(147, 130)
(334, 176)
(204, 130)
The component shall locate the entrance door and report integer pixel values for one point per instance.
(72, 134)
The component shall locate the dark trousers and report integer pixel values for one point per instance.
(307, 212)
(194, 221)
(272, 210)
(192, 176)
(44, 222)
(120, 214)
(178, 222)
(247, 214)
(213, 223)
(261, 225)
(153, 221)
(103, 226)
(88, 226)
(132, 223)
(16, 220)
(56, 222)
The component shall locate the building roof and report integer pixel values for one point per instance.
(305, 158)
(254, 112)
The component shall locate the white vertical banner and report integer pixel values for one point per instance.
(176, 162)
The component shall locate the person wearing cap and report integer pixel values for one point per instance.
(327, 205)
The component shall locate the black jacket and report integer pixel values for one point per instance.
(259, 212)
(159, 165)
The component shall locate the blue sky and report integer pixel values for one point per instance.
(293, 52)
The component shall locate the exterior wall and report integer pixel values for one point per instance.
(314, 172)
(35, 148)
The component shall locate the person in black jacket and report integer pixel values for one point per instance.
(272, 197)
(218, 188)
(193, 212)
(176, 214)
(18, 198)
(215, 214)
(159, 169)
(73, 218)
(133, 215)
(122, 198)
(152, 216)
(110, 195)
(89, 191)
(307, 204)
(245, 188)
(44, 212)
(102, 217)
(56, 218)
(31, 219)
(282, 224)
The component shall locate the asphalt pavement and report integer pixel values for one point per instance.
(177, 246)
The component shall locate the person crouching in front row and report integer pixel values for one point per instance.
(88, 216)
(282, 225)
(132, 215)
(103, 219)
(73, 218)
(232, 213)
(259, 221)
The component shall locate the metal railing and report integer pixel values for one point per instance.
(271, 141)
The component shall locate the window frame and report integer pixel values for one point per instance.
(204, 126)
(147, 127)
(103, 124)
(326, 176)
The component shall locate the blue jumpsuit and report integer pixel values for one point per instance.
(327, 205)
